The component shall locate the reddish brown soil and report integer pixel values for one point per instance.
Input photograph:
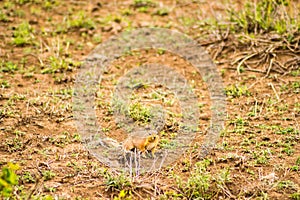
(37, 128)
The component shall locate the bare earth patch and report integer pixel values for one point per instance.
(42, 45)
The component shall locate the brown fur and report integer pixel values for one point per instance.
(142, 143)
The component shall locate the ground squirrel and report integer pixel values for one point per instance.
(142, 143)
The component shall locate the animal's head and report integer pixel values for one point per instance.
(153, 137)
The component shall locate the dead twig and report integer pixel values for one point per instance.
(137, 194)
(269, 68)
(274, 90)
(34, 189)
(38, 58)
(244, 59)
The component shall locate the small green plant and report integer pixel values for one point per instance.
(288, 150)
(265, 16)
(187, 21)
(295, 196)
(48, 175)
(76, 166)
(4, 84)
(294, 168)
(97, 38)
(19, 133)
(239, 122)
(296, 87)
(167, 144)
(297, 108)
(139, 113)
(239, 125)
(287, 131)
(27, 178)
(261, 157)
(295, 72)
(161, 51)
(60, 64)
(22, 2)
(108, 19)
(143, 3)
(8, 67)
(237, 91)
(8, 5)
(117, 182)
(286, 184)
(19, 13)
(298, 161)
(80, 20)
(49, 4)
(14, 144)
(127, 12)
(64, 139)
(23, 34)
(8, 179)
(224, 177)
(124, 194)
(3, 17)
(161, 12)
(197, 185)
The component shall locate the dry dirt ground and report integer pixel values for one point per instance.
(42, 46)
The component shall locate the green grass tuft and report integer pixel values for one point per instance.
(8, 179)
(23, 35)
(266, 16)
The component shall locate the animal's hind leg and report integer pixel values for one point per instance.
(152, 152)
(143, 152)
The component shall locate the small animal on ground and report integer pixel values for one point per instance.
(142, 143)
